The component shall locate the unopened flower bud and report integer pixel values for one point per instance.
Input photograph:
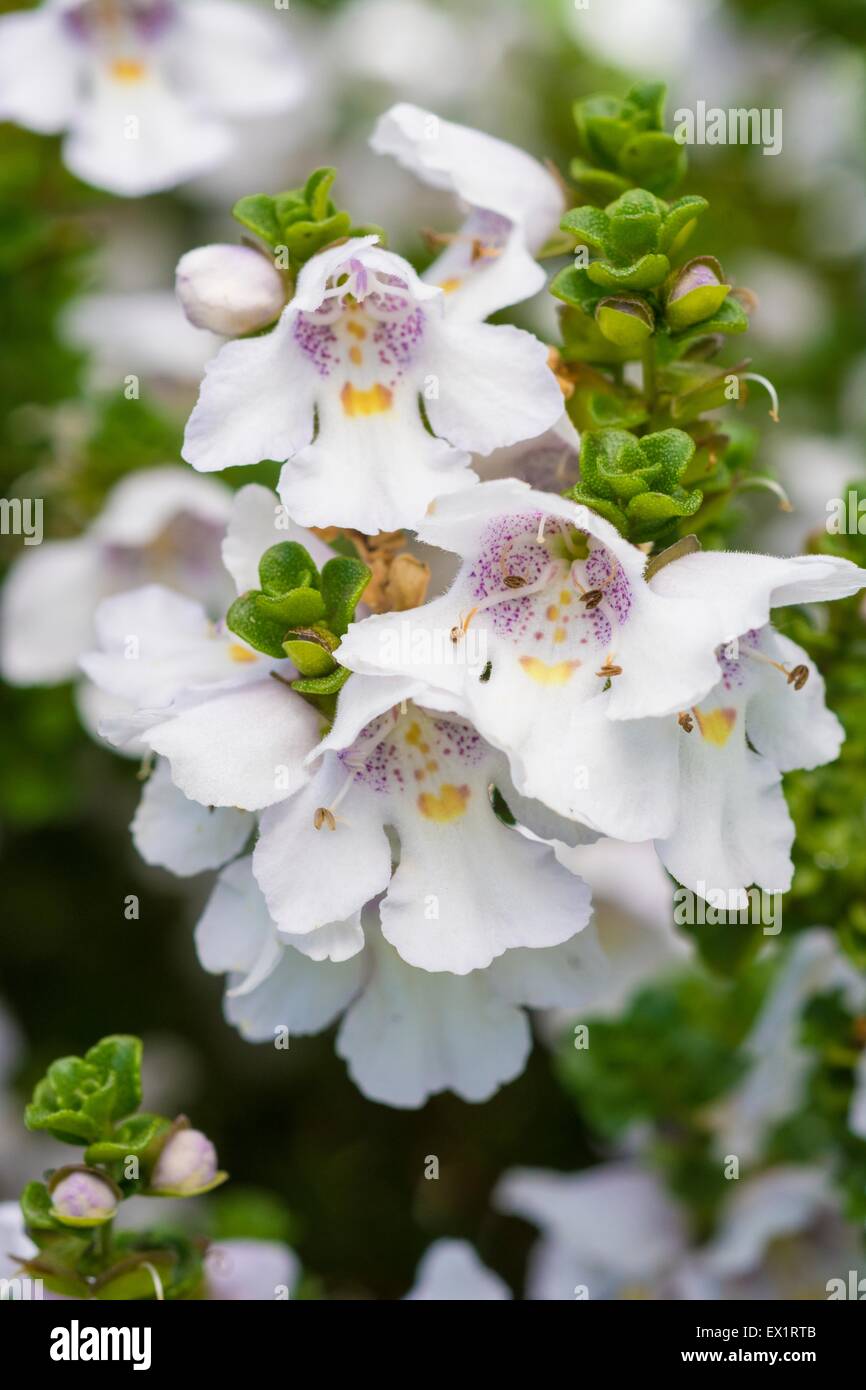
(625, 320)
(83, 1199)
(695, 292)
(187, 1163)
(229, 289)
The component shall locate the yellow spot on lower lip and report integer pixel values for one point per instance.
(371, 402)
(716, 725)
(565, 596)
(357, 330)
(239, 653)
(449, 805)
(127, 70)
(553, 612)
(356, 355)
(559, 635)
(548, 673)
(449, 286)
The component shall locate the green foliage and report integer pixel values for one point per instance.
(636, 482)
(634, 302)
(80, 1098)
(302, 220)
(301, 614)
(624, 145)
(90, 1101)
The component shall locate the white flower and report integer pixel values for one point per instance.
(514, 205)
(159, 524)
(237, 1270)
(614, 1232)
(141, 333)
(333, 392)
(451, 1272)
(407, 1033)
(143, 88)
(229, 290)
(775, 1083)
(617, 698)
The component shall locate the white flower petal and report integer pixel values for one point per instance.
(40, 70)
(245, 747)
(570, 976)
(256, 402)
(450, 1271)
(257, 522)
(793, 728)
(156, 644)
(411, 1034)
(778, 1202)
(515, 204)
(141, 505)
(313, 876)
(616, 1222)
(48, 603)
(175, 833)
(250, 1269)
(234, 60)
(732, 826)
(300, 995)
(139, 138)
(494, 386)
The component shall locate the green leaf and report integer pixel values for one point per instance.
(310, 650)
(134, 1136)
(79, 1097)
(323, 685)
(304, 239)
(650, 97)
(654, 160)
(609, 411)
(598, 186)
(291, 609)
(316, 193)
(343, 583)
(120, 1056)
(635, 220)
(287, 566)
(264, 634)
(626, 321)
(609, 510)
(257, 212)
(589, 225)
(36, 1207)
(573, 286)
(643, 274)
(653, 508)
(681, 219)
(130, 1279)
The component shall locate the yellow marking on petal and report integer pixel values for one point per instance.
(127, 70)
(449, 286)
(356, 355)
(553, 612)
(565, 596)
(432, 766)
(559, 635)
(449, 805)
(242, 654)
(413, 734)
(548, 673)
(373, 401)
(716, 725)
(357, 330)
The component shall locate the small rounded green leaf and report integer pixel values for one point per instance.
(626, 321)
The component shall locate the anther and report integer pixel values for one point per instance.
(685, 721)
(324, 817)
(591, 597)
(609, 669)
(514, 581)
(798, 676)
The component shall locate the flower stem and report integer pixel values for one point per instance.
(648, 360)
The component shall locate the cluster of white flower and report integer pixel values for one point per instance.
(409, 868)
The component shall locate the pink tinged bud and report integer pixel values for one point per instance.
(695, 293)
(229, 289)
(187, 1164)
(83, 1199)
